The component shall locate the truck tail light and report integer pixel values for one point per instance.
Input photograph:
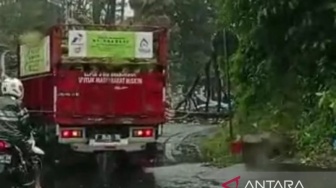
(68, 133)
(143, 132)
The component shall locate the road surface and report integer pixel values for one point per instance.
(179, 175)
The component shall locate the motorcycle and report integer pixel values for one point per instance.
(18, 172)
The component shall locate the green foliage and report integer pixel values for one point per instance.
(286, 56)
(194, 25)
(22, 16)
(216, 149)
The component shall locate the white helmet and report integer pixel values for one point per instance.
(12, 87)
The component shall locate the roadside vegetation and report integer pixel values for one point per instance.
(284, 73)
(216, 150)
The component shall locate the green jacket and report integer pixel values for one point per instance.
(13, 119)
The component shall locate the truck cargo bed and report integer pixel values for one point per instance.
(109, 95)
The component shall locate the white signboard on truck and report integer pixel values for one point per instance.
(114, 44)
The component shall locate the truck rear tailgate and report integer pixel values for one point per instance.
(109, 96)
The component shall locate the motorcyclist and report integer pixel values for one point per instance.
(14, 126)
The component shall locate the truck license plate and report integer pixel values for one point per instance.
(5, 159)
(107, 138)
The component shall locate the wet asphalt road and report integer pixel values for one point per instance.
(86, 176)
(177, 176)
(180, 175)
(190, 176)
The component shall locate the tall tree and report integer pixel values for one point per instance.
(284, 70)
(192, 25)
(191, 37)
(152, 12)
(19, 16)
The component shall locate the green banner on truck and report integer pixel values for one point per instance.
(111, 44)
(35, 60)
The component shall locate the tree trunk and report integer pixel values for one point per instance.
(136, 5)
(122, 14)
(111, 11)
(96, 10)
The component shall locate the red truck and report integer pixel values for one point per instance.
(97, 89)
